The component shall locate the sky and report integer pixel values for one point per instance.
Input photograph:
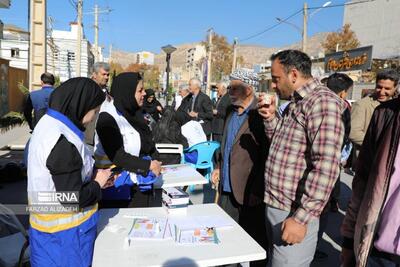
(135, 25)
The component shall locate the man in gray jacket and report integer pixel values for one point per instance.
(362, 110)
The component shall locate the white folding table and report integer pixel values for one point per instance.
(112, 248)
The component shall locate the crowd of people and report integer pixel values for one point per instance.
(277, 171)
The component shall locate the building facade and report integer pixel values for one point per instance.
(376, 23)
(61, 49)
(145, 57)
(61, 54)
(194, 61)
(14, 46)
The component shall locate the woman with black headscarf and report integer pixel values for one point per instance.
(123, 138)
(61, 167)
(151, 105)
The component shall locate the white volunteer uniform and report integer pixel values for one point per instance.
(43, 140)
(131, 138)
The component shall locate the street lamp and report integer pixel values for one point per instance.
(168, 49)
(324, 5)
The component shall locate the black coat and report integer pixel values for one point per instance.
(202, 105)
(151, 108)
(171, 135)
(218, 120)
(181, 113)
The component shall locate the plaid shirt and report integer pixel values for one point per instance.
(304, 156)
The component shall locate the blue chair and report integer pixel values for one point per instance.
(205, 152)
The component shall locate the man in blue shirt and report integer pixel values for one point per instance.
(38, 101)
(239, 175)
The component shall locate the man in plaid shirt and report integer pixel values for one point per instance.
(304, 157)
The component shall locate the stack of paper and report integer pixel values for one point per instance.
(150, 228)
(198, 229)
(207, 235)
(174, 198)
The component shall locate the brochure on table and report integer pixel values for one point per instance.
(194, 230)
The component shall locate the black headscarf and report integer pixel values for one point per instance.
(76, 97)
(151, 107)
(150, 92)
(123, 91)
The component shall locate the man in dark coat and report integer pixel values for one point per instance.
(199, 107)
(219, 111)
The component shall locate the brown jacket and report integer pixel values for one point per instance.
(370, 184)
(247, 158)
(361, 113)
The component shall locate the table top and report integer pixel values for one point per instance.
(112, 248)
(187, 176)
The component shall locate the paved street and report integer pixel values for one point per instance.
(15, 193)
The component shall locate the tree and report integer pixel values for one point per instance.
(14, 118)
(115, 68)
(151, 77)
(345, 38)
(150, 73)
(222, 56)
(135, 67)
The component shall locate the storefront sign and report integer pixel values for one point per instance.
(355, 59)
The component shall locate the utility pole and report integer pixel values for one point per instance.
(37, 42)
(96, 33)
(79, 40)
(110, 55)
(304, 46)
(97, 11)
(210, 33)
(235, 43)
(51, 44)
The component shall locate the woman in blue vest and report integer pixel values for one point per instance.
(59, 162)
(123, 139)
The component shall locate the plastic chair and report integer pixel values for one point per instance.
(14, 241)
(170, 149)
(205, 153)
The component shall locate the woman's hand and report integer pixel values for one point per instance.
(104, 178)
(155, 167)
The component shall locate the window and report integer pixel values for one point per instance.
(70, 55)
(14, 52)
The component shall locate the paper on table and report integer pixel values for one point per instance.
(177, 171)
(206, 235)
(151, 228)
(201, 222)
